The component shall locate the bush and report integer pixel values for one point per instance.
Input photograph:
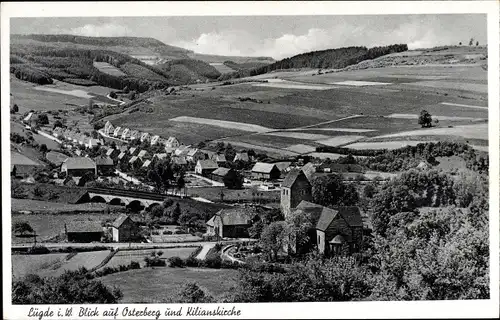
(134, 265)
(179, 232)
(213, 261)
(192, 262)
(154, 261)
(175, 262)
(38, 250)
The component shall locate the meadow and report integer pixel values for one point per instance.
(124, 257)
(153, 285)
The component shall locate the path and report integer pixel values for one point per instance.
(119, 101)
(203, 253)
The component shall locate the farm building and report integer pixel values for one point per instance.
(109, 128)
(423, 165)
(112, 153)
(194, 155)
(231, 223)
(125, 229)
(125, 133)
(22, 166)
(78, 166)
(336, 229)
(134, 134)
(154, 140)
(172, 142)
(266, 171)
(223, 174)
(56, 158)
(146, 164)
(142, 154)
(83, 231)
(145, 136)
(205, 167)
(241, 156)
(117, 132)
(132, 150)
(105, 165)
(294, 189)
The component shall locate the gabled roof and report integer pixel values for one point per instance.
(110, 152)
(221, 171)
(79, 163)
(312, 209)
(84, 226)
(207, 164)
(243, 156)
(324, 215)
(171, 140)
(28, 117)
(144, 135)
(309, 169)
(142, 153)
(291, 177)
(283, 165)
(326, 218)
(120, 220)
(146, 163)
(236, 216)
(337, 240)
(160, 155)
(211, 221)
(134, 159)
(132, 150)
(262, 167)
(351, 215)
(220, 158)
(104, 161)
(179, 160)
(134, 133)
(192, 152)
(121, 155)
(56, 157)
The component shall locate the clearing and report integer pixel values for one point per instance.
(223, 124)
(109, 69)
(76, 93)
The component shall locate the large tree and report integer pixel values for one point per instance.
(274, 237)
(425, 119)
(332, 191)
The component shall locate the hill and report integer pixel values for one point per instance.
(331, 58)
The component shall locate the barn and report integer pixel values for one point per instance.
(231, 223)
(78, 166)
(125, 229)
(265, 171)
(83, 231)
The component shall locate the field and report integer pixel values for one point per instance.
(109, 69)
(151, 285)
(231, 195)
(221, 67)
(54, 264)
(50, 225)
(124, 257)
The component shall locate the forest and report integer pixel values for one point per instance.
(331, 58)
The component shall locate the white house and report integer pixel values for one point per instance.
(125, 133)
(145, 136)
(117, 132)
(172, 142)
(154, 140)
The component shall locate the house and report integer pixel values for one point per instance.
(125, 133)
(109, 128)
(57, 132)
(160, 156)
(78, 166)
(146, 164)
(22, 166)
(125, 229)
(136, 161)
(132, 150)
(336, 230)
(222, 174)
(172, 142)
(112, 153)
(180, 161)
(56, 158)
(83, 231)
(145, 136)
(294, 189)
(193, 155)
(117, 132)
(220, 159)
(231, 223)
(134, 134)
(27, 119)
(265, 171)
(241, 156)
(284, 167)
(205, 167)
(423, 165)
(182, 150)
(142, 154)
(105, 165)
(121, 155)
(91, 142)
(154, 140)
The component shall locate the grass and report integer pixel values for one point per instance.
(109, 69)
(126, 256)
(213, 194)
(151, 285)
(140, 72)
(88, 260)
(40, 264)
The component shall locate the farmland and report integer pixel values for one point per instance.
(152, 285)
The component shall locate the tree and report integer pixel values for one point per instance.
(233, 181)
(332, 191)
(14, 109)
(369, 191)
(58, 123)
(274, 237)
(471, 41)
(460, 43)
(192, 293)
(112, 94)
(477, 43)
(22, 227)
(42, 119)
(425, 119)
(43, 148)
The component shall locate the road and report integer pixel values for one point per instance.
(203, 253)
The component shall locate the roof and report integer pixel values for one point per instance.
(146, 163)
(172, 140)
(351, 215)
(338, 239)
(134, 133)
(291, 177)
(142, 153)
(133, 159)
(120, 220)
(211, 221)
(144, 135)
(192, 152)
(221, 172)
(243, 156)
(236, 216)
(179, 160)
(56, 157)
(160, 155)
(342, 167)
(132, 150)
(263, 167)
(325, 219)
(110, 152)
(309, 169)
(84, 226)
(121, 155)
(283, 165)
(104, 161)
(79, 163)
(220, 158)
(28, 117)
(207, 164)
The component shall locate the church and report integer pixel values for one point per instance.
(336, 230)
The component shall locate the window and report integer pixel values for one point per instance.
(319, 239)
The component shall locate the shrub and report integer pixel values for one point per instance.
(175, 262)
(134, 265)
(179, 232)
(213, 261)
(192, 262)
(38, 250)
(154, 262)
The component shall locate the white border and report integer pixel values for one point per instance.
(388, 310)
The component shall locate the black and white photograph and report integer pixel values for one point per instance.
(207, 163)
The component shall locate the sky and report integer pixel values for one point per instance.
(272, 36)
